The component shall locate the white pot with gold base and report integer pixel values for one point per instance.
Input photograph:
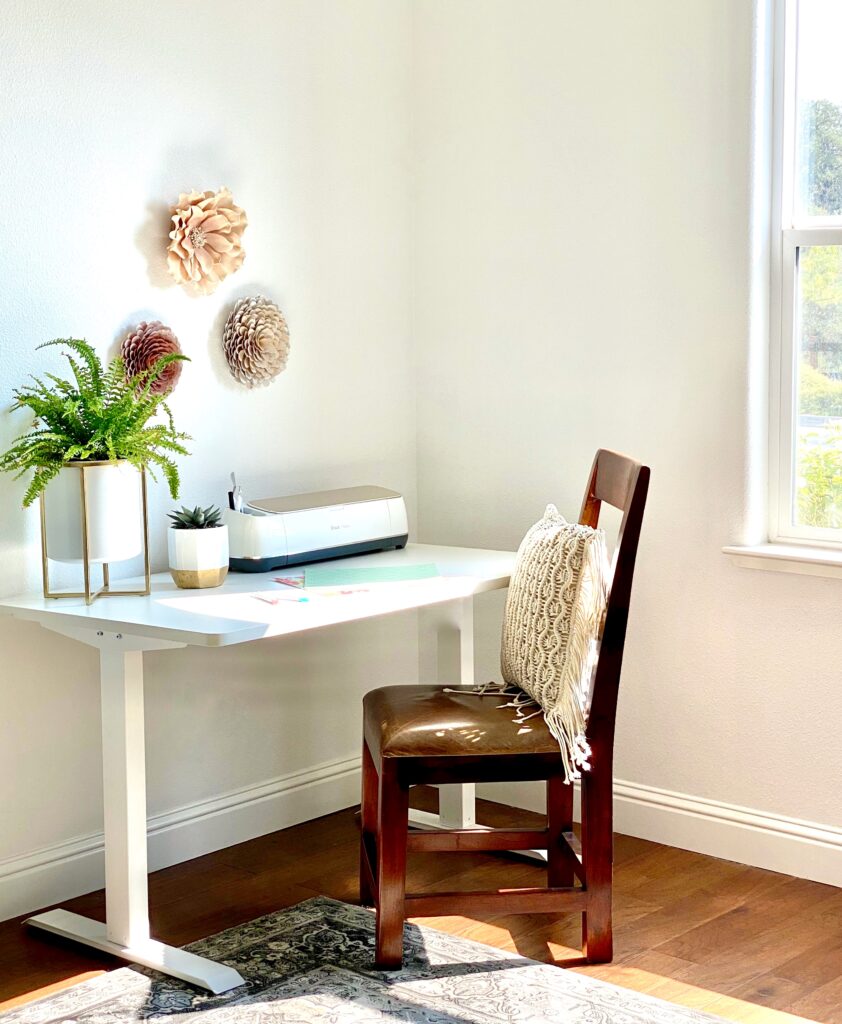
(114, 523)
(95, 513)
(198, 558)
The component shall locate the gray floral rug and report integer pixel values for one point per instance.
(313, 963)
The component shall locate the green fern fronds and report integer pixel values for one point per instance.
(97, 414)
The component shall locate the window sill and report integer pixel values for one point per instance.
(797, 558)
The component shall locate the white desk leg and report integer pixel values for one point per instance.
(124, 796)
(457, 804)
(126, 933)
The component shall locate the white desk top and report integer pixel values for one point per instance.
(230, 615)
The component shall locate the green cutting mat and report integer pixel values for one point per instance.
(346, 576)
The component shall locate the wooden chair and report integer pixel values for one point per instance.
(423, 735)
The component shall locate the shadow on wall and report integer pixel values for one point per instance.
(151, 239)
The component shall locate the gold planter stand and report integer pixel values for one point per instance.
(88, 593)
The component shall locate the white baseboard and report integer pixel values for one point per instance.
(68, 869)
(771, 841)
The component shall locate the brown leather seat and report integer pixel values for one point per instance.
(428, 721)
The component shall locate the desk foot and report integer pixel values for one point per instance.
(178, 963)
(429, 820)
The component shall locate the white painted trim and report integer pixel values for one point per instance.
(59, 872)
(795, 847)
(70, 868)
(795, 558)
(781, 177)
(790, 230)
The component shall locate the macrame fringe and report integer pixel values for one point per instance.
(568, 720)
(565, 724)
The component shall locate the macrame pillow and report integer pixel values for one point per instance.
(553, 615)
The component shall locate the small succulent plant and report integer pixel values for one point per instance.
(197, 518)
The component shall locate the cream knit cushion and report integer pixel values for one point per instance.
(553, 617)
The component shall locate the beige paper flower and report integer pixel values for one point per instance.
(144, 347)
(206, 242)
(256, 341)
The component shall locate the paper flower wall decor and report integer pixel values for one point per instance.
(144, 347)
(206, 241)
(256, 341)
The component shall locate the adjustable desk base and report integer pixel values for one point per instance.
(178, 963)
(124, 796)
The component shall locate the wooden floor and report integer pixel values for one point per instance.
(735, 941)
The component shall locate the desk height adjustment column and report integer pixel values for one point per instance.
(457, 804)
(126, 931)
(124, 796)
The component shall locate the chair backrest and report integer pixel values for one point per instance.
(622, 482)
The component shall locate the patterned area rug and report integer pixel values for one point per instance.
(312, 964)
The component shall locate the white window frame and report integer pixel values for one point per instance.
(788, 234)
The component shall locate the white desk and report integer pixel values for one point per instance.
(123, 628)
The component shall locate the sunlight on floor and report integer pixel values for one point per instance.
(635, 978)
(48, 990)
(672, 991)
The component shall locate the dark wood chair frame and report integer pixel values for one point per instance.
(623, 483)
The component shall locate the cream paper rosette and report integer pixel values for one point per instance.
(256, 341)
(206, 241)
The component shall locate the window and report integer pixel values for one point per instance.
(806, 406)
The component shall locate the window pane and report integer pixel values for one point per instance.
(818, 184)
(818, 431)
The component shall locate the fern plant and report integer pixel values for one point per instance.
(96, 414)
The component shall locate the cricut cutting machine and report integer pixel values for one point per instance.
(273, 532)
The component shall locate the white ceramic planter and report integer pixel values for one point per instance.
(198, 558)
(115, 513)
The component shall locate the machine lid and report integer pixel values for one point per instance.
(322, 499)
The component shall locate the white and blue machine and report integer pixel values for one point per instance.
(271, 533)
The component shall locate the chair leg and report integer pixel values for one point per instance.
(391, 868)
(559, 821)
(368, 822)
(598, 857)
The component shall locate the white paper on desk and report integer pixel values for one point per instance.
(281, 597)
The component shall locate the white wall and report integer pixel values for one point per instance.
(582, 223)
(107, 112)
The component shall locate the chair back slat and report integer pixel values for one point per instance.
(623, 483)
